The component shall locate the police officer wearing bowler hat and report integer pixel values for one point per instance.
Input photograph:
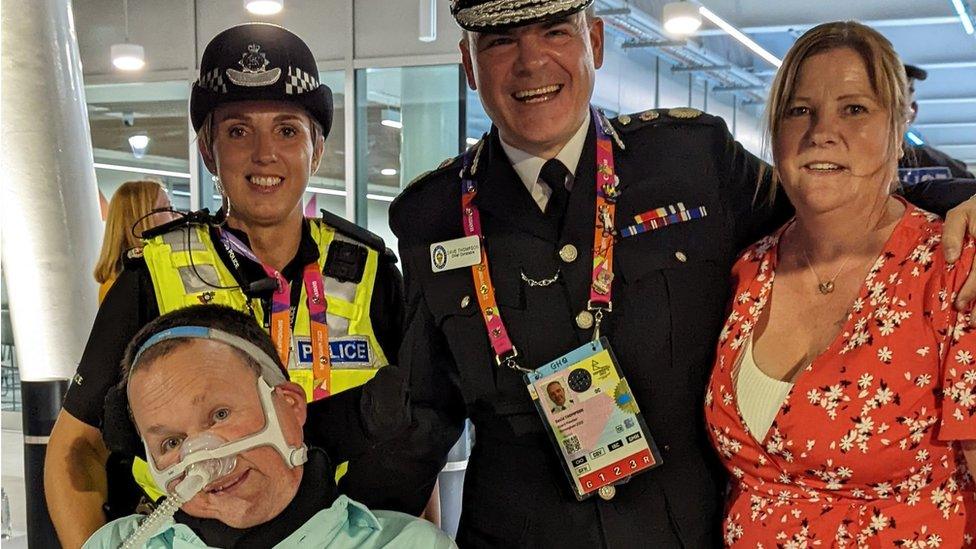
(328, 291)
(925, 155)
(534, 183)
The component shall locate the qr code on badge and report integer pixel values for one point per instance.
(572, 444)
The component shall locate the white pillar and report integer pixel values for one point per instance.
(51, 223)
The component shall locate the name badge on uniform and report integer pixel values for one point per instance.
(454, 254)
(592, 419)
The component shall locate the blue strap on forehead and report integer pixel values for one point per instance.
(270, 371)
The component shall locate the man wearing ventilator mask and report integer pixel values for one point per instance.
(222, 430)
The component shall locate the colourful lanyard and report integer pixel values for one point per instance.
(281, 317)
(607, 192)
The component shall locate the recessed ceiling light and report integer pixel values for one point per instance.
(128, 57)
(264, 7)
(681, 18)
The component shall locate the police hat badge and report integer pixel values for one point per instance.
(255, 72)
(487, 15)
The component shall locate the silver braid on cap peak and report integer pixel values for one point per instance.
(508, 12)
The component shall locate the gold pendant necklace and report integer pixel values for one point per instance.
(824, 287)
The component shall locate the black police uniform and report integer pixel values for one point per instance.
(346, 425)
(669, 298)
(925, 156)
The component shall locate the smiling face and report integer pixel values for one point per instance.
(833, 146)
(536, 81)
(205, 386)
(556, 393)
(264, 152)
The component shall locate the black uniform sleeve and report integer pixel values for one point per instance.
(129, 305)
(746, 192)
(940, 195)
(404, 478)
(386, 308)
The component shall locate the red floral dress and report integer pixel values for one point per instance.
(861, 452)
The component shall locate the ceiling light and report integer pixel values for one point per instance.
(737, 34)
(263, 7)
(388, 171)
(138, 143)
(914, 138)
(128, 57)
(681, 18)
(428, 20)
(391, 117)
(967, 21)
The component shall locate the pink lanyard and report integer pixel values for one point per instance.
(281, 318)
(607, 192)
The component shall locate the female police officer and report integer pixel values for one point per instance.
(261, 116)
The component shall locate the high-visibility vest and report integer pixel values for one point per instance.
(186, 270)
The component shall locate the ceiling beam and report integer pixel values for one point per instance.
(700, 68)
(775, 29)
(943, 125)
(947, 100)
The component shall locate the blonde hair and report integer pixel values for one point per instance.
(886, 74)
(130, 203)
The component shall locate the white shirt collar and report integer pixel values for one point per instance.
(528, 166)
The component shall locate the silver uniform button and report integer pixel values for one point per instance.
(568, 253)
(465, 301)
(607, 492)
(584, 320)
(680, 256)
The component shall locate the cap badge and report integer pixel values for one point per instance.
(255, 72)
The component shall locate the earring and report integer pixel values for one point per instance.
(224, 199)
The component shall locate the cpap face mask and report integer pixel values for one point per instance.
(207, 453)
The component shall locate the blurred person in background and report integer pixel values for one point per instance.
(925, 155)
(136, 207)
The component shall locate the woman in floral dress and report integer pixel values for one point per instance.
(843, 398)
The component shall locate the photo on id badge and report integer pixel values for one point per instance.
(592, 418)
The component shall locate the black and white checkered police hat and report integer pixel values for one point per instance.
(259, 61)
(488, 15)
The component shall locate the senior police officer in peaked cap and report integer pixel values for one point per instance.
(581, 224)
(328, 291)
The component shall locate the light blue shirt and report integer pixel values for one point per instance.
(345, 524)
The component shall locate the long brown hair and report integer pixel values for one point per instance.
(130, 203)
(885, 72)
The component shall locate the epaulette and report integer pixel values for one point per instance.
(631, 122)
(354, 232)
(443, 166)
(131, 257)
(199, 217)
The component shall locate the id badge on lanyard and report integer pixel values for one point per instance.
(592, 418)
(582, 397)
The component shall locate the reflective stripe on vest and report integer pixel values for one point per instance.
(179, 282)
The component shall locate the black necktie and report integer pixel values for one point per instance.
(554, 173)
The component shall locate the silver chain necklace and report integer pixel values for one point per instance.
(541, 283)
